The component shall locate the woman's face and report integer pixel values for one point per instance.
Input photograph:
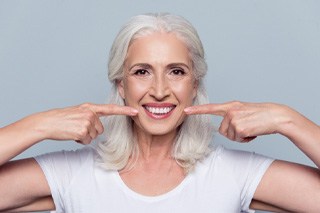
(158, 82)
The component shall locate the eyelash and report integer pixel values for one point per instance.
(141, 72)
(180, 72)
(144, 72)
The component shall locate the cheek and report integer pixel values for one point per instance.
(134, 91)
(184, 92)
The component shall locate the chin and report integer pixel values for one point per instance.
(156, 129)
(159, 127)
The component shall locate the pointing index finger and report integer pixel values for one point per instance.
(214, 109)
(113, 109)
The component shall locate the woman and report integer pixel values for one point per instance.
(156, 154)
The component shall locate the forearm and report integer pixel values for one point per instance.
(304, 133)
(79, 123)
(42, 204)
(258, 205)
(17, 137)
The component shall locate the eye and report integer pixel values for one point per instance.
(178, 72)
(141, 72)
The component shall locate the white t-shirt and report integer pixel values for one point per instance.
(224, 182)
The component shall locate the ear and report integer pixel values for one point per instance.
(195, 89)
(120, 87)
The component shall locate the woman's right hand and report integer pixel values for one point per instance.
(79, 123)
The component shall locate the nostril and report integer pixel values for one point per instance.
(159, 89)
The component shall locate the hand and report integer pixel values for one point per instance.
(79, 123)
(243, 122)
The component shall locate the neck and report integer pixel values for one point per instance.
(155, 147)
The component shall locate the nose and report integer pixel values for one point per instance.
(159, 88)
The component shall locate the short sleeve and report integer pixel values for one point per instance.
(248, 169)
(60, 168)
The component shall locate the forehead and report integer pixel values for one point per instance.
(159, 47)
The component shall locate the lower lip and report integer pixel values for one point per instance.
(158, 116)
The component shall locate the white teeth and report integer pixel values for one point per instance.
(159, 110)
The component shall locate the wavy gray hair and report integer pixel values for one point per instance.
(192, 142)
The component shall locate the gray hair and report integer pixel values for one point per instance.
(195, 133)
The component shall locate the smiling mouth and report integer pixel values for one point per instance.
(159, 112)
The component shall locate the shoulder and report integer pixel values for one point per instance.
(63, 168)
(84, 152)
(236, 161)
(223, 154)
(68, 160)
(234, 173)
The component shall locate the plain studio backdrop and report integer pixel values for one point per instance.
(54, 54)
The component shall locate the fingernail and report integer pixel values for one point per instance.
(134, 111)
(188, 109)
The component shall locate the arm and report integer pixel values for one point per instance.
(285, 185)
(24, 187)
(294, 187)
(43, 204)
(74, 123)
(257, 205)
(22, 183)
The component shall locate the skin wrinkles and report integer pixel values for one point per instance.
(158, 94)
(149, 66)
(157, 73)
(158, 70)
(149, 69)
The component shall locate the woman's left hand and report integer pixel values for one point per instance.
(243, 122)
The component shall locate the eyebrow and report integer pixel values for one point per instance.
(178, 65)
(148, 66)
(142, 65)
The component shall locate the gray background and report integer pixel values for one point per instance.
(53, 53)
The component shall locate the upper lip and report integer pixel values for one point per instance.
(159, 105)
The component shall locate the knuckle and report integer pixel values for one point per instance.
(242, 132)
(85, 105)
(234, 123)
(82, 133)
(100, 130)
(89, 115)
(235, 117)
(86, 123)
(237, 104)
(86, 141)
